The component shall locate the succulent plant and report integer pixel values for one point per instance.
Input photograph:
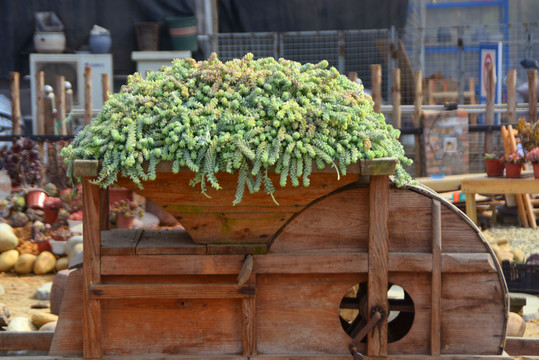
(244, 116)
(23, 163)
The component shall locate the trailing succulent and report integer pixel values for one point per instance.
(243, 116)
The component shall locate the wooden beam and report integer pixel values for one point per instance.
(436, 280)
(248, 309)
(14, 78)
(170, 291)
(532, 96)
(516, 346)
(378, 261)
(376, 86)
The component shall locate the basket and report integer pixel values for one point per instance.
(521, 277)
(147, 35)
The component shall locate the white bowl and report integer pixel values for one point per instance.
(57, 246)
(49, 42)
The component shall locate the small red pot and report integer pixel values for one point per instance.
(50, 216)
(35, 199)
(494, 167)
(124, 222)
(513, 170)
(536, 170)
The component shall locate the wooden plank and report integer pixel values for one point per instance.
(168, 242)
(516, 346)
(484, 185)
(447, 183)
(119, 242)
(314, 231)
(473, 314)
(174, 328)
(25, 340)
(380, 166)
(248, 311)
(297, 314)
(389, 357)
(14, 79)
(378, 261)
(85, 167)
(92, 209)
(68, 334)
(236, 249)
(436, 285)
(532, 96)
(88, 106)
(170, 291)
(171, 264)
(396, 96)
(458, 236)
(376, 86)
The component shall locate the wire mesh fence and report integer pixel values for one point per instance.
(450, 56)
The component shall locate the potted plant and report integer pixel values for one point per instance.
(51, 206)
(513, 164)
(529, 134)
(125, 212)
(493, 164)
(72, 198)
(533, 157)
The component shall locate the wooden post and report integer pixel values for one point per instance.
(14, 78)
(87, 95)
(105, 86)
(532, 96)
(40, 105)
(95, 214)
(511, 96)
(418, 102)
(69, 105)
(396, 95)
(436, 287)
(378, 261)
(248, 308)
(352, 76)
(376, 86)
(61, 105)
(430, 87)
(489, 114)
(471, 89)
(48, 107)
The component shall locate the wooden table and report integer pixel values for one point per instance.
(496, 185)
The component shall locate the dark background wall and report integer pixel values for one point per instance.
(119, 16)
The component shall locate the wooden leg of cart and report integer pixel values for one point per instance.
(378, 262)
(95, 202)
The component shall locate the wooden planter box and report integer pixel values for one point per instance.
(250, 284)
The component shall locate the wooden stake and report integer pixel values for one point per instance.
(396, 95)
(471, 90)
(532, 96)
(511, 96)
(40, 104)
(378, 261)
(69, 105)
(430, 87)
(418, 102)
(376, 86)
(87, 95)
(14, 78)
(105, 86)
(489, 114)
(48, 107)
(436, 311)
(61, 105)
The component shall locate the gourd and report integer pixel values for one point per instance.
(244, 116)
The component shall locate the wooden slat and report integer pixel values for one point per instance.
(92, 213)
(168, 242)
(436, 285)
(390, 357)
(248, 311)
(516, 346)
(378, 261)
(170, 291)
(68, 334)
(119, 242)
(532, 96)
(171, 264)
(27, 340)
(236, 249)
(486, 185)
(489, 112)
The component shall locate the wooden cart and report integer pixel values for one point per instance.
(304, 279)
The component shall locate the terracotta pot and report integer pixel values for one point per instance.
(43, 245)
(513, 170)
(35, 199)
(50, 215)
(494, 167)
(536, 170)
(124, 222)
